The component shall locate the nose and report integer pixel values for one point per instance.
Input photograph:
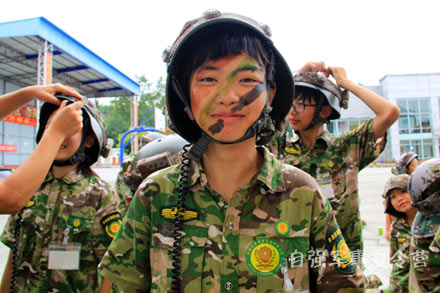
(228, 98)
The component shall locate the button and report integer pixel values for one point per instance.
(228, 286)
(230, 225)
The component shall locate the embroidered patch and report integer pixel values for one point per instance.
(401, 239)
(75, 222)
(340, 252)
(282, 227)
(357, 129)
(29, 204)
(264, 257)
(291, 150)
(111, 224)
(170, 212)
(330, 164)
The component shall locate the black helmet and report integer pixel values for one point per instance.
(395, 181)
(424, 188)
(335, 97)
(102, 144)
(403, 163)
(214, 22)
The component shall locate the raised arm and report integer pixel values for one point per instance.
(14, 100)
(19, 187)
(386, 112)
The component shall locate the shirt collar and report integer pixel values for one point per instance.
(269, 175)
(325, 138)
(70, 178)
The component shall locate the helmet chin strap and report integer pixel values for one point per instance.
(316, 119)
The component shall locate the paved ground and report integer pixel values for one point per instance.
(371, 183)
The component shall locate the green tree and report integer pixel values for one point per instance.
(117, 113)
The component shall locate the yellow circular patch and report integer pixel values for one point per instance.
(282, 228)
(115, 227)
(401, 239)
(76, 222)
(330, 164)
(343, 254)
(264, 257)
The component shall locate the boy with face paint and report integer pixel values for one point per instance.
(230, 217)
(334, 162)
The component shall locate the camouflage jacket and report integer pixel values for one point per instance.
(425, 255)
(83, 207)
(122, 189)
(335, 163)
(276, 227)
(400, 239)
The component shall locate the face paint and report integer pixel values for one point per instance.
(250, 97)
(247, 64)
(216, 127)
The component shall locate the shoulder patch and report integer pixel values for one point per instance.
(291, 150)
(169, 213)
(357, 129)
(340, 252)
(111, 224)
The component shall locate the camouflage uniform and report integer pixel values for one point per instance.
(241, 246)
(339, 160)
(425, 255)
(400, 239)
(123, 191)
(85, 205)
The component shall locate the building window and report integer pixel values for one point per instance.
(415, 116)
(422, 147)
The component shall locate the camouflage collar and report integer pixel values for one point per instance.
(70, 178)
(325, 138)
(269, 174)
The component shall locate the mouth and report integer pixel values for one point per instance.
(227, 117)
(403, 204)
(293, 121)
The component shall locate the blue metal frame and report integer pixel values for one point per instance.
(123, 145)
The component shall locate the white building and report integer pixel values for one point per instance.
(418, 127)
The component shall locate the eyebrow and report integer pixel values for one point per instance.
(246, 67)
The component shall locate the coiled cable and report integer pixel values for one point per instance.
(14, 271)
(178, 220)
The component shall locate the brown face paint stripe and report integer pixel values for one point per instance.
(216, 127)
(249, 97)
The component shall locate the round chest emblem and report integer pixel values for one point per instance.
(264, 257)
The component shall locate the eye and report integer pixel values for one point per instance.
(208, 79)
(248, 80)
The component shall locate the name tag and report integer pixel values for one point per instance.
(64, 256)
(325, 184)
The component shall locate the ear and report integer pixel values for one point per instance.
(273, 90)
(89, 141)
(326, 112)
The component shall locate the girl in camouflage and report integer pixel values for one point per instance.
(398, 205)
(231, 217)
(59, 237)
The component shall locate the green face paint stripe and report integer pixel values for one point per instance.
(246, 64)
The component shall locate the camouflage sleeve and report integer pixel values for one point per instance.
(340, 273)
(126, 261)
(107, 220)
(435, 245)
(7, 236)
(393, 244)
(363, 148)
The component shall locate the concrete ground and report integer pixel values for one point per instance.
(371, 183)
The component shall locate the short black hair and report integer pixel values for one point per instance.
(225, 42)
(306, 94)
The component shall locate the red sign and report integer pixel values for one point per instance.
(26, 115)
(8, 148)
